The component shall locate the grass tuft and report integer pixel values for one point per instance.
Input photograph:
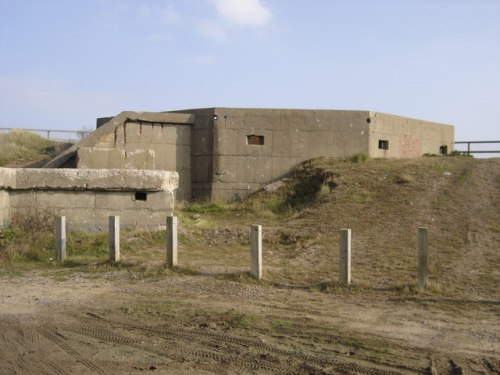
(360, 157)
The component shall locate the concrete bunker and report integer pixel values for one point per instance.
(87, 197)
(227, 153)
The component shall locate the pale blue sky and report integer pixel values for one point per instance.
(64, 63)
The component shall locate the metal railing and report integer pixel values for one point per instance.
(470, 151)
(72, 136)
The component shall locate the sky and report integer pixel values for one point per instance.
(63, 63)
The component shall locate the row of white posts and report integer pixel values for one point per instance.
(255, 248)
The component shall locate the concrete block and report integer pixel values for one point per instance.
(256, 251)
(171, 241)
(7, 178)
(4, 208)
(114, 238)
(345, 257)
(95, 179)
(423, 273)
(60, 239)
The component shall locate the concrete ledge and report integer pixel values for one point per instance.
(88, 196)
(93, 179)
(7, 178)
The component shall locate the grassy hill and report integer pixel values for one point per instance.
(383, 202)
(19, 148)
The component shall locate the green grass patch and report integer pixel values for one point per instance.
(205, 207)
(360, 157)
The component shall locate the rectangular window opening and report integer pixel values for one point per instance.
(383, 144)
(255, 140)
(443, 150)
(141, 196)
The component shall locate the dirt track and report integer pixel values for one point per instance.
(197, 324)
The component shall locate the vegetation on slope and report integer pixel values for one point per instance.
(19, 147)
(382, 201)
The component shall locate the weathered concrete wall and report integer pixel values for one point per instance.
(289, 137)
(407, 137)
(87, 197)
(226, 153)
(202, 150)
(137, 140)
(143, 145)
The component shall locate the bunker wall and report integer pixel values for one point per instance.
(202, 150)
(87, 197)
(255, 146)
(400, 137)
(142, 145)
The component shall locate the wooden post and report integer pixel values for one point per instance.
(114, 238)
(60, 241)
(423, 276)
(345, 257)
(171, 241)
(256, 251)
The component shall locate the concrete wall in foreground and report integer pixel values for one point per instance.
(7, 180)
(142, 198)
(4, 208)
(255, 146)
(144, 145)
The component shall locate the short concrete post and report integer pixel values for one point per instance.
(345, 257)
(423, 275)
(256, 251)
(60, 242)
(171, 241)
(114, 238)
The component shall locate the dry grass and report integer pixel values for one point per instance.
(382, 201)
(19, 145)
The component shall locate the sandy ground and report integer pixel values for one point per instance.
(85, 323)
